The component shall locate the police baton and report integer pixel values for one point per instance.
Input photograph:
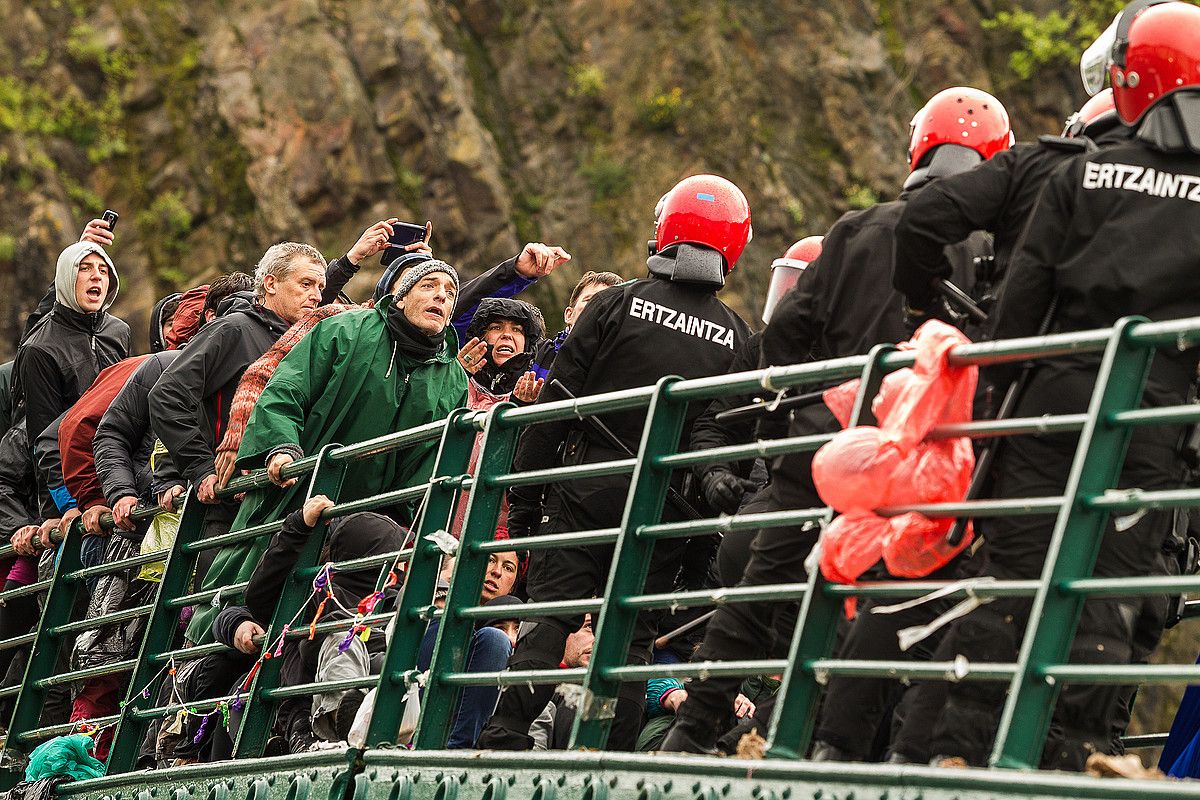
(961, 300)
(667, 637)
(766, 409)
(606, 433)
(987, 458)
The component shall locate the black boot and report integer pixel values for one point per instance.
(824, 751)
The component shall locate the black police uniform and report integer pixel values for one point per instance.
(629, 335)
(842, 305)
(1114, 233)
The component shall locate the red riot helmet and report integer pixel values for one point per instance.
(704, 210)
(1094, 110)
(786, 271)
(968, 117)
(1151, 49)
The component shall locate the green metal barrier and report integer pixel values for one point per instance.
(1034, 679)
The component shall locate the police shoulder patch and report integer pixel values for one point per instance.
(1079, 144)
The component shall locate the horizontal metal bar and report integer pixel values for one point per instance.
(17, 641)
(115, 668)
(952, 671)
(535, 477)
(764, 448)
(701, 669)
(577, 408)
(1138, 499)
(111, 567)
(259, 480)
(717, 597)
(321, 687)
(378, 501)
(1165, 415)
(738, 522)
(903, 589)
(190, 653)
(157, 712)
(232, 590)
(1013, 507)
(233, 537)
(352, 565)
(389, 442)
(103, 619)
(1008, 350)
(1123, 673)
(21, 591)
(512, 677)
(1131, 587)
(50, 731)
(770, 380)
(1179, 333)
(549, 608)
(10, 691)
(550, 541)
(1017, 426)
(1145, 740)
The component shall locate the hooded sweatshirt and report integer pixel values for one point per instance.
(66, 349)
(158, 342)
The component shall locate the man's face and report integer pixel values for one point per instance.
(500, 576)
(298, 293)
(578, 651)
(168, 328)
(571, 315)
(91, 283)
(428, 305)
(506, 338)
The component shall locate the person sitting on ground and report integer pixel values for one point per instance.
(552, 728)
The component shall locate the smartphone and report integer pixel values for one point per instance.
(109, 216)
(403, 234)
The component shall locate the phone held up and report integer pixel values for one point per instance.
(110, 218)
(403, 235)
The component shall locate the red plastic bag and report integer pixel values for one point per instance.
(934, 472)
(851, 545)
(916, 545)
(855, 469)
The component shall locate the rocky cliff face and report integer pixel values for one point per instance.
(219, 128)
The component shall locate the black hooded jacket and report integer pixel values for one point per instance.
(157, 345)
(500, 380)
(20, 503)
(189, 405)
(61, 357)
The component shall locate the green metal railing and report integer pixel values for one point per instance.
(1034, 679)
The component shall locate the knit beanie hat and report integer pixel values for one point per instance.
(414, 275)
(67, 270)
(384, 286)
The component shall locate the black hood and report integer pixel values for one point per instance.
(157, 345)
(357, 536)
(238, 301)
(501, 380)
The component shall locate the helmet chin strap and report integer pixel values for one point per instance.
(1173, 124)
(944, 160)
(688, 263)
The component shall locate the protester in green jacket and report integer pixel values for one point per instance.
(355, 376)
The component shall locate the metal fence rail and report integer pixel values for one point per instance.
(1034, 679)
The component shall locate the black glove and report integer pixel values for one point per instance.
(723, 490)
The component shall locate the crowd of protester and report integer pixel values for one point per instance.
(254, 371)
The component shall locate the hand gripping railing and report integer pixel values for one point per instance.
(1034, 679)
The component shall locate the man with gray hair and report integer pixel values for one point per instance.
(189, 405)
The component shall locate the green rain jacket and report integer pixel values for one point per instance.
(343, 383)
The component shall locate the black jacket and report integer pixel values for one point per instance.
(19, 498)
(1114, 233)
(124, 440)
(996, 196)
(629, 335)
(6, 408)
(844, 304)
(500, 380)
(60, 358)
(189, 405)
(707, 433)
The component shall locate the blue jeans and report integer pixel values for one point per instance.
(490, 649)
(91, 554)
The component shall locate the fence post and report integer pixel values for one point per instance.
(1074, 545)
(816, 626)
(43, 655)
(455, 633)
(160, 631)
(416, 595)
(258, 713)
(630, 565)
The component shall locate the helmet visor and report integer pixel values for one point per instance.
(1094, 63)
(784, 274)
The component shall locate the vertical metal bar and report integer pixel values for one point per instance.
(630, 565)
(816, 627)
(259, 711)
(453, 461)
(60, 599)
(455, 633)
(1074, 545)
(160, 631)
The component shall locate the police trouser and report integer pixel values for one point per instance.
(576, 573)
(1014, 548)
(853, 709)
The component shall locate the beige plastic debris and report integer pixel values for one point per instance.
(1102, 765)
